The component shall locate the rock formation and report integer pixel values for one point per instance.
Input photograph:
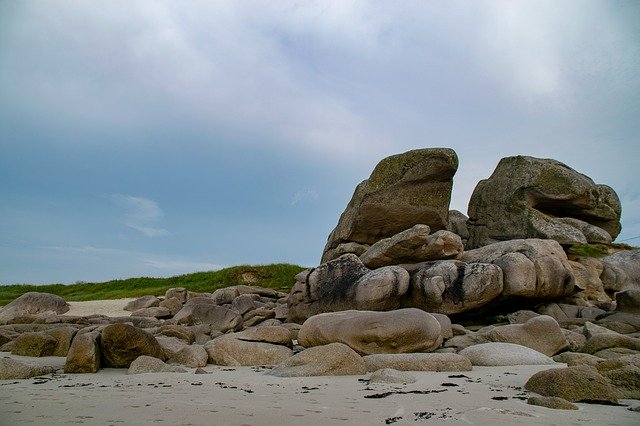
(403, 190)
(528, 197)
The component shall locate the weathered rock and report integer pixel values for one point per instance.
(446, 329)
(142, 302)
(154, 312)
(498, 354)
(84, 354)
(528, 197)
(563, 312)
(552, 402)
(244, 303)
(123, 343)
(12, 369)
(34, 303)
(223, 319)
(368, 332)
(541, 333)
(63, 336)
(462, 341)
(522, 316)
(621, 270)
(345, 283)
(389, 375)
(458, 225)
(192, 356)
(575, 339)
(418, 362)
(450, 286)
(267, 334)
(228, 350)
(577, 358)
(602, 341)
(170, 345)
(149, 364)
(404, 190)
(587, 273)
(335, 359)
(179, 293)
(180, 331)
(575, 384)
(413, 245)
(173, 304)
(36, 344)
(625, 380)
(531, 268)
(621, 322)
(628, 301)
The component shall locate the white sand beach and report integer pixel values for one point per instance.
(248, 396)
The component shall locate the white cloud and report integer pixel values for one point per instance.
(140, 214)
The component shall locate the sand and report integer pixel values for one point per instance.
(248, 396)
(110, 308)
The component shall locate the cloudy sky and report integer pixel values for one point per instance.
(163, 137)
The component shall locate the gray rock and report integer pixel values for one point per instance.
(63, 336)
(34, 303)
(389, 375)
(228, 350)
(84, 353)
(368, 332)
(335, 359)
(602, 341)
(404, 190)
(418, 362)
(223, 319)
(531, 268)
(450, 286)
(499, 354)
(173, 304)
(12, 369)
(458, 225)
(149, 364)
(142, 302)
(154, 312)
(267, 334)
(621, 270)
(191, 356)
(577, 358)
(528, 197)
(179, 293)
(123, 343)
(628, 301)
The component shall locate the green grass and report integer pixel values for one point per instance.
(278, 276)
(597, 250)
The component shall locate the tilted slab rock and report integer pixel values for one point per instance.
(345, 283)
(229, 350)
(84, 353)
(403, 190)
(368, 332)
(450, 287)
(334, 359)
(529, 197)
(12, 369)
(531, 268)
(142, 302)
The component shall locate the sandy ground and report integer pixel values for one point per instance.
(248, 396)
(110, 308)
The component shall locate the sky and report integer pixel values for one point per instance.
(156, 138)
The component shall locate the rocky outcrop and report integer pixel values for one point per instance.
(345, 283)
(403, 190)
(34, 303)
(528, 197)
(531, 268)
(367, 332)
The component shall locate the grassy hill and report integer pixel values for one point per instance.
(278, 276)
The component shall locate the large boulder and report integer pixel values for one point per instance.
(219, 317)
(403, 190)
(230, 350)
(34, 303)
(345, 283)
(528, 197)
(368, 332)
(36, 344)
(500, 354)
(123, 343)
(84, 354)
(575, 384)
(531, 268)
(451, 287)
(438, 362)
(335, 359)
(541, 333)
(621, 270)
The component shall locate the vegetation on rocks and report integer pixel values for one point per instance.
(277, 276)
(597, 250)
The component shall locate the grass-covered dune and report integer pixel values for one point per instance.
(278, 276)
